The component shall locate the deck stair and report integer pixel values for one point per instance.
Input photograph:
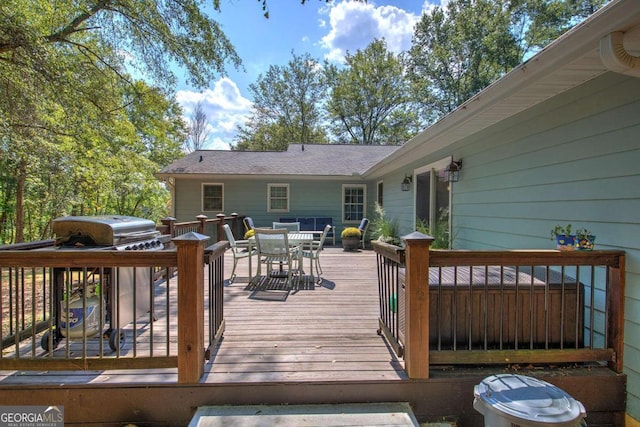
(356, 414)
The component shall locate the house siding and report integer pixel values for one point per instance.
(308, 198)
(573, 159)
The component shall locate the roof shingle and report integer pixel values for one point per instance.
(299, 159)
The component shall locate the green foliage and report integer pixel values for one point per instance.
(460, 49)
(286, 108)
(369, 101)
(559, 230)
(383, 228)
(583, 233)
(78, 135)
(440, 232)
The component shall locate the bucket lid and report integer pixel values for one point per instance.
(529, 399)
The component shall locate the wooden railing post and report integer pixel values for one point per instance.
(169, 222)
(416, 350)
(615, 312)
(220, 218)
(202, 227)
(190, 250)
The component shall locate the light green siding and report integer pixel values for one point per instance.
(573, 159)
(248, 197)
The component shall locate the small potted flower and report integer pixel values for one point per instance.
(565, 241)
(585, 240)
(351, 238)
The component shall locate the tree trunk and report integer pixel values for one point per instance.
(20, 184)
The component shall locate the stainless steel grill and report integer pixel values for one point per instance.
(107, 232)
(128, 291)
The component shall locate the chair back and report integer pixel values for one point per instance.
(325, 232)
(273, 242)
(248, 223)
(364, 224)
(229, 234)
(289, 226)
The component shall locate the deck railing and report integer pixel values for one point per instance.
(105, 309)
(500, 307)
(211, 227)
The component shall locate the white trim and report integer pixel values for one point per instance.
(432, 169)
(202, 185)
(364, 202)
(272, 185)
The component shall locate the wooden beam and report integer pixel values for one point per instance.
(512, 357)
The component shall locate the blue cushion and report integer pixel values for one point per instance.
(322, 222)
(307, 224)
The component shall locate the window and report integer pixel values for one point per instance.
(353, 203)
(278, 197)
(380, 192)
(212, 197)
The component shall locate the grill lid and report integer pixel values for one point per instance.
(105, 230)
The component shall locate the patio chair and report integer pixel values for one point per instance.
(248, 223)
(313, 252)
(239, 249)
(364, 224)
(291, 227)
(273, 247)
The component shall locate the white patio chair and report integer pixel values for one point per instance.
(239, 249)
(274, 248)
(313, 253)
(291, 227)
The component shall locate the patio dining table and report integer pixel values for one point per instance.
(296, 238)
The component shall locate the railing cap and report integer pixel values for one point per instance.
(190, 237)
(416, 236)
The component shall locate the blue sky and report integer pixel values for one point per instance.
(324, 30)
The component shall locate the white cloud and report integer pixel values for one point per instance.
(354, 25)
(225, 108)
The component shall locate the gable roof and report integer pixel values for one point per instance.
(299, 160)
(571, 60)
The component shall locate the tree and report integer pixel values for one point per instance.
(77, 132)
(198, 131)
(286, 108)
(66, 94)
(369, 102)
(460, 49)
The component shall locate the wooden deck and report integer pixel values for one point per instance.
(315, 332)
(314, 344)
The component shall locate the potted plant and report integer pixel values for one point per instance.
(350, 238)
(585, 240)
(565, 241)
